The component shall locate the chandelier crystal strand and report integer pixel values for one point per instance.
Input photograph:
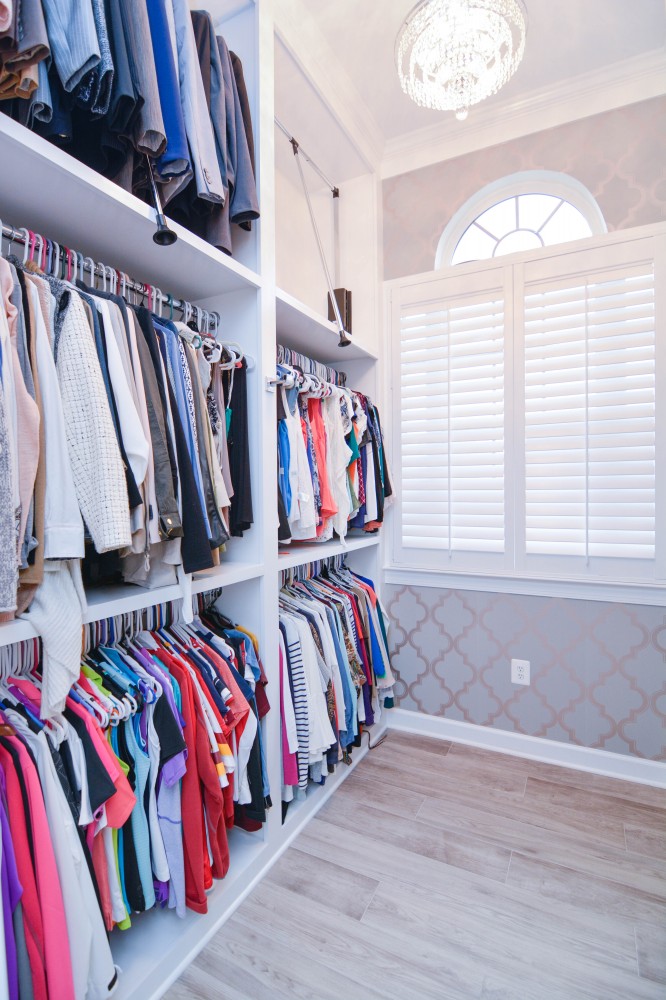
(452, 54)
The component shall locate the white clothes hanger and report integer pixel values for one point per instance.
(91, 267)
(26, 245)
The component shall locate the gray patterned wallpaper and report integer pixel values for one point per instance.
(620, 156)
(598, 669)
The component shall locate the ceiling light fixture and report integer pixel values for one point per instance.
(452, 54)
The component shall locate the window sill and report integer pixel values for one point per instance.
(531, 586)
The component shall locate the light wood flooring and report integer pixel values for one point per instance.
(446, 872)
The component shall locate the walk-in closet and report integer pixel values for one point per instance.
(332, 500)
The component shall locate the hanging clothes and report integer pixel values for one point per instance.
(332, 469)
(122, 801)
(132, 455)
(117, 82)
(335, 672)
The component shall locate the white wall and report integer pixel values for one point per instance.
(359, 256)
(298, 267)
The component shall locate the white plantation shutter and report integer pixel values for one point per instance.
(452, 424)
(530, 415)
(590, 415)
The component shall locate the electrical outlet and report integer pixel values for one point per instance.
(520, 671)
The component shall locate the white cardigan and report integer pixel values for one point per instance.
(63, 527)
(97, 466)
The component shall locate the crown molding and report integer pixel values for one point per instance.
(299, 32)
(627, 82)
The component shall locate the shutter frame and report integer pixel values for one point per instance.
(645, 404)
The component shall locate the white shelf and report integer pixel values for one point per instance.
(225, 576)
(118, 599)
(104, 602)
(16, 631)
(48, 191)
(302, 329)
(299, 553)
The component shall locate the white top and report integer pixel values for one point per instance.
(150, 496)
(303, 515)
(338, 458)
(131, 428)
(63, 526)
(157, 851)
(97, 466)
(320, 732)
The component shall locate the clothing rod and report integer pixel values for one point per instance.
(86, 265)
(287, 356)
(335, 190)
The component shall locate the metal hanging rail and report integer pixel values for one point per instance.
(42, 251)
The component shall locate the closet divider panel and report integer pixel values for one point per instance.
(237, 22)
(159, 947)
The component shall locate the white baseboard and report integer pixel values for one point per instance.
(613, 765)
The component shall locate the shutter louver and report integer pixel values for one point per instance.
(590, 416)
(452, 425)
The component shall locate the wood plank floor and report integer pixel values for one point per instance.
(445, 872)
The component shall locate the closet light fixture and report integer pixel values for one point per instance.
(452, 54)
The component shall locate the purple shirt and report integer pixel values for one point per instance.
(12, 890)
(174, 768)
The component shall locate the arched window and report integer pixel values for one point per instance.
(525, 211)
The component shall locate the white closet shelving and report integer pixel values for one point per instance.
(44, 189)
(301, 553)
(304, 330)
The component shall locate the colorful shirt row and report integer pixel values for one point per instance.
(335, 672)
(122, 802)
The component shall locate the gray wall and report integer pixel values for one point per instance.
(620, 157)
(598, 669)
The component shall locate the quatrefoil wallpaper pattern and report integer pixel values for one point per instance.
(618, 155)
(598, 669)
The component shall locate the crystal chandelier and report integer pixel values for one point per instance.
(452, 54)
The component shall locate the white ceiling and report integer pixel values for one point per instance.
(566, 38)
